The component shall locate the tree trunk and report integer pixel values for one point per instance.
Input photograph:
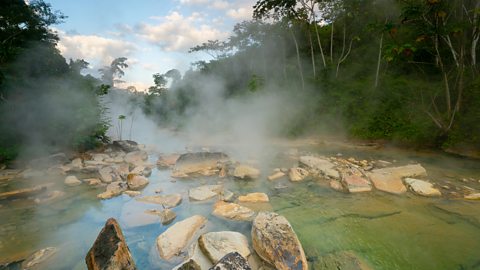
(312, 53)
(331, 45)
(378, 61)
(299, 62)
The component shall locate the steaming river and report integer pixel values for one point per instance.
(387, 231)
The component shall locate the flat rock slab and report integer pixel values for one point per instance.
(23, 193)
(166, 215)
(175, 238)
(166, 161)
(203, 163)
(321, 165)
(253, 198)
(203, 193)
(246, 172)
(72, 181)
(110, 251)
(297, 174)
(275, 176)
(215, 245)
(390, 179)
(167, 201)
(196, 260)
(37, 258)
(9, 174)
(275, 242)
(232, 261)
(232, 211)
(422, 187)
(357, 183)
(136, 182)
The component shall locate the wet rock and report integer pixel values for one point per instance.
(72, 181)
(136, 158)
(196, 260)
(232, 261)
(246, 172)
(320, 166)
(276, 175)
(122, 170)
(23, 193)
(100, 157)
(421, 187)
(92, 181)
(175, 238)
(136, 182)
(216, 245)
(167, 161)
(132, 193)
(7, 174)
(142, 170)
(297, 174)
(341, 260)
(253, 197)
(51, 196)
(113, 189)
(473, 196)
(200, 163)
(126, 145)
(227, 196)
(44, 162)
(232, 211)
(37, 258)
(203, 193)
(390, 179)
(166, 215)
(110, 251)
(167, 201)
(275, 242)
(336, 185)
(33, 173)
(106, 174)
(356, 183)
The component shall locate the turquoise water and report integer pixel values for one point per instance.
(387, 231)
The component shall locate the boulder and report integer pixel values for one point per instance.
(320, 166)
(390, 179)
(132, 193)
(136, 158)
(275, 176)
(72, 181)
(110, 251)
(200, 163)
(142, 170)
(166, 215)
(175, 238)
(37, 258)
(167, 161)
(122, 170)
(297, 174)
(246, 172)
(356, 183)
(76, 163)
(232, 211)
(422, 188)
(23, 193)
(232, 261)
(253, 197)
(215, 245)
(336, 185)
(126, 145)
(227, 196)
(473, 196)
(203, 193)
(136, 182)
(92, 181)
(196, 260)
(275, 242)
(341, 260)
(167, 201)
(113, 189)
(106, 174)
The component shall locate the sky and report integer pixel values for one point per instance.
(155, 35)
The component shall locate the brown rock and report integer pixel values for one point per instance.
(390, 179)
(167, 201)
(297, 174)
(275, 176)
(253, 197)
(232, 211)
(166, 161)
(110, 251)
(136, 182)
(23, 193)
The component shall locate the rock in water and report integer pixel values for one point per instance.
(175, 238)
(167, 201)
(356, 183)
(215, 245)
(126, 145)
(166, 161)
(421, 187)
(320, 165)
(246, 172)
(275, 242)
(110, 251)
(113, 189)
(136, 182)
(23, 193)
(254, 197)
(341, 260)
(204, 192)
(72, 181)
(166, 215)
(297, 174)
(232, 211)
(390, 179)
(200, 163)
(196, 260)
(38, 257)
(232, 261)
(275, 176)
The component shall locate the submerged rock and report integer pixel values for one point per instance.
(253, 197)
(227, 196)
(421, 187)
(23, 193)
(275, 242)
(113, 189)
(473, 196)
(275, 176)
(166, 215)
(356, 183)
(390, 179)
(166, 161)
(341, 260)
(336, 185)
(246, 172)
(132, 193)
(297, 174)
(110, 251)
(232, 211)
(196, 260)
(126, 145)
(38, 258)
(232, 261)
(320, 165)
(167, 201)
(72, 181)
(51, 196)
(215, 245)
(136, 182)
(206, 192)
(175, 238)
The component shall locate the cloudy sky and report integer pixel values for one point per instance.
(155, 35)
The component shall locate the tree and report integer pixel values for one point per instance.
(160, 83)
(111, 74)
(215, 48)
